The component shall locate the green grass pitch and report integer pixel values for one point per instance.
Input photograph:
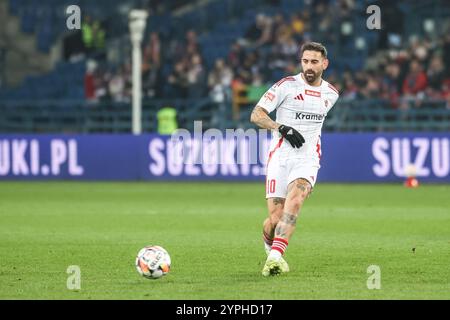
(213, 234)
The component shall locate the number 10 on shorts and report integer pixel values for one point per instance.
(270, 187)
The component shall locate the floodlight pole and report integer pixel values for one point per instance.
(137, 22)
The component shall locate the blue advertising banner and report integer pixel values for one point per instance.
(385, 157)
(365, 157)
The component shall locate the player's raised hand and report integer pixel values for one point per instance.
(292, 135)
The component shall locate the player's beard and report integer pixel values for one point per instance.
(311, 76)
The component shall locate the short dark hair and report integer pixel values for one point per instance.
(314, 46)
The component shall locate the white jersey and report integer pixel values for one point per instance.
(302, 107)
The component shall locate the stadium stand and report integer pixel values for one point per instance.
(377, 72)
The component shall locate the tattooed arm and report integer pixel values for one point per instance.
(261, 118)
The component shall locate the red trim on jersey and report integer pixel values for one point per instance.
(270, 157)
(333, 88)
(269, 96)
(279, 83)
(275, 149)
(318, 148)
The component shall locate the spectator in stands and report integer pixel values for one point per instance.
(419, 49)
(219, 84)
(167, 120)
(256, 29)
(345, 8)
(152, 51)
(289, 48)
(127, 76)
(184, 49)
(416, 80)
(93, 35)
(435, 76)
(88, 38)
(89, 82)
(151, 65)
(371, 90)
(414, 84)
(281, 29)
(256, 89)
(236, 55)
(392, 84)
(266, 36)
(178, 82)
(406, 72)
(277, 21)
(277, 60)
(446, 51)
(259, 33)
(98, 36)
(446, 92)
(252, 65)
(219, 81)
(350, 89)
(192, 46)
(116, 87)
(102, 85)
(292, 67)
(196, 77)
(297, 26)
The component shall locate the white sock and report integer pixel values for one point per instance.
(274, 255)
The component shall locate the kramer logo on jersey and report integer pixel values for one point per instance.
(309, 116)
(312, 93)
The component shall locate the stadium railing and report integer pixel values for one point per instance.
(74, 116)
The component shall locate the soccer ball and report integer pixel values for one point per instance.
(153, 262)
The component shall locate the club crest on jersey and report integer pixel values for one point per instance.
(269, 96)
(312, 93)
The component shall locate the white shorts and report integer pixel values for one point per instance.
(281, 172)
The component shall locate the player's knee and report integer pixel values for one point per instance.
(275, 206)
(297, 199)
(295, 205)
(299, 191)
(275, 215)
(301, 197)
(274, 220)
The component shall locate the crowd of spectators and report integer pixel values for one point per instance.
(405, 76)
(187, 77)
(404, 71)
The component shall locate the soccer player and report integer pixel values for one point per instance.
(301, 103)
